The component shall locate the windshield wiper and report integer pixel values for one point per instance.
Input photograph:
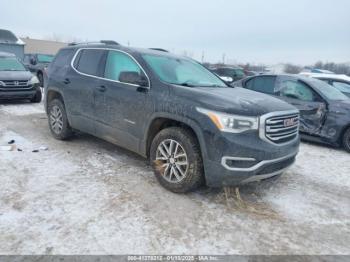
(184, 84)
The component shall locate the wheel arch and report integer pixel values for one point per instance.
(163, 121)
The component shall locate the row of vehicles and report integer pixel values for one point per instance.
(192, 126)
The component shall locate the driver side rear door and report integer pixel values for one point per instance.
(312, 107)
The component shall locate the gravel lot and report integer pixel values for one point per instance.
(88, 196)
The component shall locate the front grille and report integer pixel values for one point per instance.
(282, 128)
(14, 84)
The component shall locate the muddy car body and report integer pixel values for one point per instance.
(324, 110)
(192, 131)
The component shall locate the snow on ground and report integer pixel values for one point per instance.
(86, 196)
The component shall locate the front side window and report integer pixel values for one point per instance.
(118, 65)
(182, 71)
(90, 61)
(45, 58)
(11, 64)
(297, 90)
(263, 84)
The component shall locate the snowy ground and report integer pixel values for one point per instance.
(86, 196)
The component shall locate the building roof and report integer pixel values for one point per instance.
(8, 37)
(42, 46)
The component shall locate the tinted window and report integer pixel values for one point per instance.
(263, 84)
(90, 61)
(118, 62)
(61, 62)
(297, 90)
(62, 58)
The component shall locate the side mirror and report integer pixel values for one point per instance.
(133, 78)
(33, 61)
(227, 79)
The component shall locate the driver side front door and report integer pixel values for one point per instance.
(311, 106)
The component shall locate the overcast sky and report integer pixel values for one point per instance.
(255, 31)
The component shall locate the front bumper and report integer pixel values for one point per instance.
(235, 159)
(22, 94)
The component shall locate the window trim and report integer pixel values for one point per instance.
(103, 78)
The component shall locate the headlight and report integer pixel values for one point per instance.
(34, 80)
(231, 123)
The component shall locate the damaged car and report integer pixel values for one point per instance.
(324, 110)
(192, 127)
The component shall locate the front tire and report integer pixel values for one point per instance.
(58, 121)
(38, 96)
(346, 140)
(176, 159)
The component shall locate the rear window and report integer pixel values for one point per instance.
(90, 61)
(61, 62)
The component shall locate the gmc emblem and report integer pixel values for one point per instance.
(290, 122)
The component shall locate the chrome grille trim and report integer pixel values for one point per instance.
(273, 130)
(14, 85)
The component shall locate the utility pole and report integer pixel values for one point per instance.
(202, 57)
(223, 58)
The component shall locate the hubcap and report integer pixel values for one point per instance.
(56, 119)
(173, 161)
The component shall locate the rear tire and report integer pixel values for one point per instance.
(38, 96)
(176, 159)
(346, 140)
(58, 121)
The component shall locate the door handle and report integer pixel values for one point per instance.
(101, 88)
(66, 81)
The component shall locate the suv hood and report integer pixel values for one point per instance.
(15, 75)
(234, 100)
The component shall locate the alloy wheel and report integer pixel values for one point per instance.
(173, 160)
(56, 119)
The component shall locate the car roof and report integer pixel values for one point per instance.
(5, 54)
(130, 50)
(326, 76)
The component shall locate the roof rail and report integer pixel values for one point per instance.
(109, 42)
(105, 42)
(159, 49)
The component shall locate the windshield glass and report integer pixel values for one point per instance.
(181, 71)
(11, 64)
(45, 58)
(328, 91)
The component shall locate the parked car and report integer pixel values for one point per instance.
(37, 64)
(16, 82)
(340, 82)
(229, 74)
(324, 110)
(172, 110)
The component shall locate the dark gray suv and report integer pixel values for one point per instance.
(172, 110)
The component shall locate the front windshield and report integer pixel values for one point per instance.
(181, 71)
(328, 91)
(45, 58)
(11, 64)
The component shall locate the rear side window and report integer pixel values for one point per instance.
(90, 61)
(61, 62)
(263, 84)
